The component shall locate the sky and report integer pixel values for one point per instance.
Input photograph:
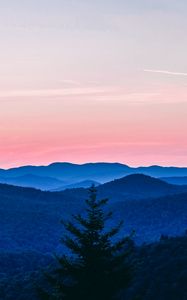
(86, 81)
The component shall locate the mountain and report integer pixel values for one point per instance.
(151, 218)
(175, 180)
(158, 171)
(29, 180)
(30, 218)
(131, 187)
(138, 186)
(101, 172)
(71, 172)
(82, 184)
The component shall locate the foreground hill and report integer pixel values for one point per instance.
(30, 219)
(160, 272)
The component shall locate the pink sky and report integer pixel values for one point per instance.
(93, 81)
(135, 128)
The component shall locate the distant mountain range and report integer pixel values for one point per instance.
(131, 187)
(76, 185)
(59, 175)
(175, 180)
(35, 181)
(30, 218)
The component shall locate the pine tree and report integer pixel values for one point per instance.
(98, 267)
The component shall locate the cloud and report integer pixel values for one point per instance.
(97, 93)
(166, 72)
(69, 82)
(55, 92)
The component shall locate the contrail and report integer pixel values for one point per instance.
(165, 72)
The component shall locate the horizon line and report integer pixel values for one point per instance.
(90, 162)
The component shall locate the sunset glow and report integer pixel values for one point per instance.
(93, 82)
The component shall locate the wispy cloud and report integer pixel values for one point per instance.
(69, 82)
(55, 92)
(166, 72)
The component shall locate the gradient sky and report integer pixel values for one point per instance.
(102, 80)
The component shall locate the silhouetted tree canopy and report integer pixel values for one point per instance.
(97, 266)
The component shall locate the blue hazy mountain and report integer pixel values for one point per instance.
(175, 180)
(72, 172)
(130, 187)
(139, 186)
(101, 172)
(35, 181)
(82, 184)
(30, 218)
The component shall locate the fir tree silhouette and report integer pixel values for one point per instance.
(97, 267)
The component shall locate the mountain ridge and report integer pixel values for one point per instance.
(30, 218)
(102, 169)
(33, 181)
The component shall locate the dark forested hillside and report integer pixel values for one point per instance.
(139, 186)
(30, 219)
(160, 272)
(30, 232)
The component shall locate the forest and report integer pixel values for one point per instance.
(93, 252)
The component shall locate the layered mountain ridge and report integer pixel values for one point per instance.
(59, 175)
